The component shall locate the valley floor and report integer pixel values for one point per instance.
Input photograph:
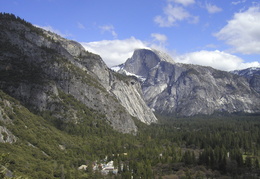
(199, 147)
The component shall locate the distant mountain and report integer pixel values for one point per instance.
(249, 72)
(142, 61)
(187, 90)
(42, 69)
(252, 75)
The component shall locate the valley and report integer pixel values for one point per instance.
(62, 108)
(197, 147)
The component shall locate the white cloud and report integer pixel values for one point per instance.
(159, 37)
(243, 32)
(216, 59)
(212, 8)
(238, 2)
(114, 52)
(158, 42)
(171, 14)
(183, 2)
(110, 29)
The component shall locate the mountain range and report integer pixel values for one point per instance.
(43, 71)
(188, 90)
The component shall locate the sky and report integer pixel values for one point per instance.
(223, 34)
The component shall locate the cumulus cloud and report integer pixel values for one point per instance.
(172, 14)
(114, 52)
(110, 29)
(212, 8)
(158, 42)
(216, 59)
(242, 32)
(183, 2)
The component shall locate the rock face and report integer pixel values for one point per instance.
(252, 75)
(143, 60)
(6, 136)
(187, 90)
(37, 67)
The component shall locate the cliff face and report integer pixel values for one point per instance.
(37, 67)
(187, 90)
(252, 75)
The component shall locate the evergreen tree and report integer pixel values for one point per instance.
(257, 164)
(248, 162)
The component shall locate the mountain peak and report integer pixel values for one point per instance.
(248, 72)
(186, 90)
(163, 56)
(143, 60)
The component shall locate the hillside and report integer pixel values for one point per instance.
(36, 66)
(33, 147)
(36, 149)
(252, 75)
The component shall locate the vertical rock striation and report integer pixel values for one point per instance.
(38, 66)
(188, 90)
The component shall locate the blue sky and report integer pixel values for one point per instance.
(224, 34)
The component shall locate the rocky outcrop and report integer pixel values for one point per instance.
(38, 67)
(6, 136)
(252, 75)
(187, 90)
(130, 96)
(142, 61)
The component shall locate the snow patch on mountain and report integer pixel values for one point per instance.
(120, 70)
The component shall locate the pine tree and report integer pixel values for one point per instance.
(257, 164)
(248, 162)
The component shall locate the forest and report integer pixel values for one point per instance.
(198, 147)
(204, 146)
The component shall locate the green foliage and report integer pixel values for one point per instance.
(48, 147)
(12, 17)
(7, 17)
(45, 151)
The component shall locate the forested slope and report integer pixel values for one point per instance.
(185, 147)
